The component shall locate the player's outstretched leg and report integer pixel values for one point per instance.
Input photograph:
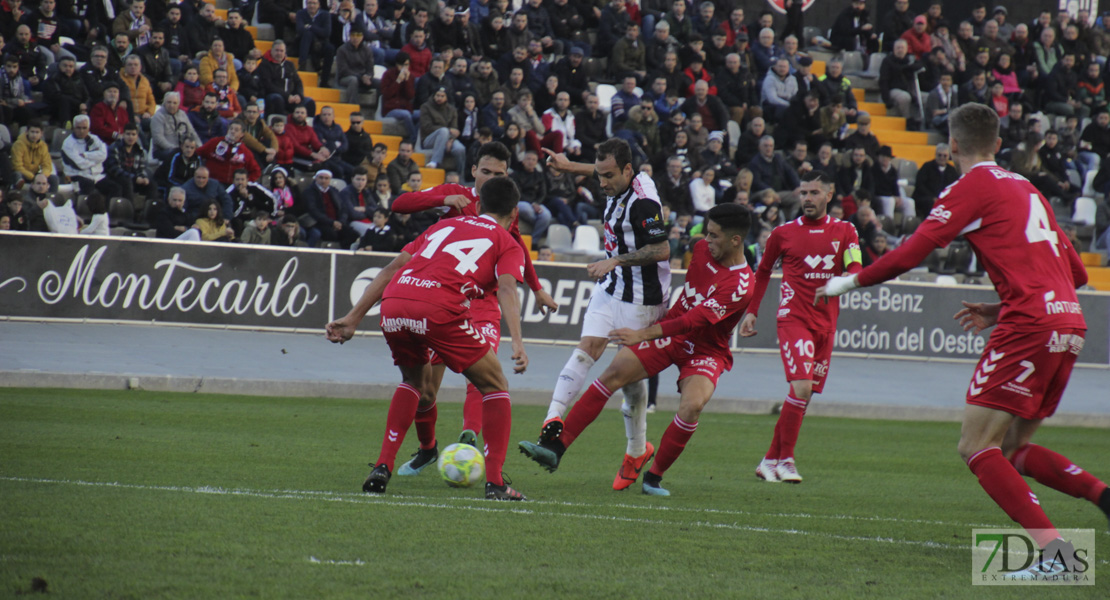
(696, 392)
(1006, 487)
(549, 453)
(1059, 473)
(402, 411)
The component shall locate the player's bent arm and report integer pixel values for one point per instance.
(510, 309)
(343, 329)
(651, 253)
(631, 337)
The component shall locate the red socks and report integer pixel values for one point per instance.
(497, 415)
(673, 443)
(426, 426)
(402, 410)
(584, 412)
(472, 409)
(1006, 487)
(788, 427)
(1057, 472)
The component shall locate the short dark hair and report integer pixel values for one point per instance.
(975, 128)
(131, 127)
(382, 211)
(496, 151)
(618, 149)
(360, 171)
(379, 145)
(260, 214)
(243, 171)
(819, 176)
(733, 219)
(499, 196)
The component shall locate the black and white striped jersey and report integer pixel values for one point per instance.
(633, 220)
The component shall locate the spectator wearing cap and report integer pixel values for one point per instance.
(438, 121)
(863, 137)
(807, 81)
(714, 156)
(1000, 15)
(354, 67)
(109, 116)
(573, 76)
(885, 177)
(330, 211)
(918, 39)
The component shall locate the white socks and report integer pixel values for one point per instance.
(570, 382)
(634, 409)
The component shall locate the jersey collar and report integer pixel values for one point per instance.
(487, 216)
(985, 163)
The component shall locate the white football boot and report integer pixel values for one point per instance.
(786, 471)
(767, 471)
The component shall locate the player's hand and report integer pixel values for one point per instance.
(456, 201)
(601, 268)
(559, 161)
(747, 326)
(978, 315)
(548, 306)
(520, 359)
(627, 337)
(340, 330)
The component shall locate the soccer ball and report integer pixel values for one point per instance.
(461, 465)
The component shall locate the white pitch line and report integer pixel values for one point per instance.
(358, 562)
(292, 495)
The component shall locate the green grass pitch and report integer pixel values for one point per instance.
(111, 494)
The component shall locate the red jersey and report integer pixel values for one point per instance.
(710, 305)
(484, 309)
(224, 158)
(812, 252)
(1012, 229)
(456, 261)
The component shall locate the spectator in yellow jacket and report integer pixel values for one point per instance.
(142, 95)
(217, 58)
(31, 156)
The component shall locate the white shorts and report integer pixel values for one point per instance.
(605, 313)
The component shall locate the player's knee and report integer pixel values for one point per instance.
(593, 346)
(967, 448)
(803, 390)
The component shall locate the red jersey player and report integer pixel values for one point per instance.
(1040, 327)
(454, 200)
(427, 307)
(813, 248)
(693, 335)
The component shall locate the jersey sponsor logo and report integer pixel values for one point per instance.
(821, 369)
(826, 261)
(395, 324)
(717, 309)
(704, 362)
(940, 214)
(1060, 307)
(406, 279)
(654, 225)
(690, 296)
(783, 312)
(1063, 342)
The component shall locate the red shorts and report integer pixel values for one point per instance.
(1025, 373)
(489, 330)
(413, 328)
(657, 355)
(805, 354)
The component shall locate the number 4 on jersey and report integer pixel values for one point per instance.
(466, 251)
(1038, 229)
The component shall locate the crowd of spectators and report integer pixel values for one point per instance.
(170, 104)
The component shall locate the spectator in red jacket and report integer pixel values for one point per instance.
(225, 155)
(918, 39)
(398, 91)
(110, 115)
(306, 144)
(284, 156)
(419, 52)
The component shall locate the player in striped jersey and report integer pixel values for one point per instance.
(632, 292)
